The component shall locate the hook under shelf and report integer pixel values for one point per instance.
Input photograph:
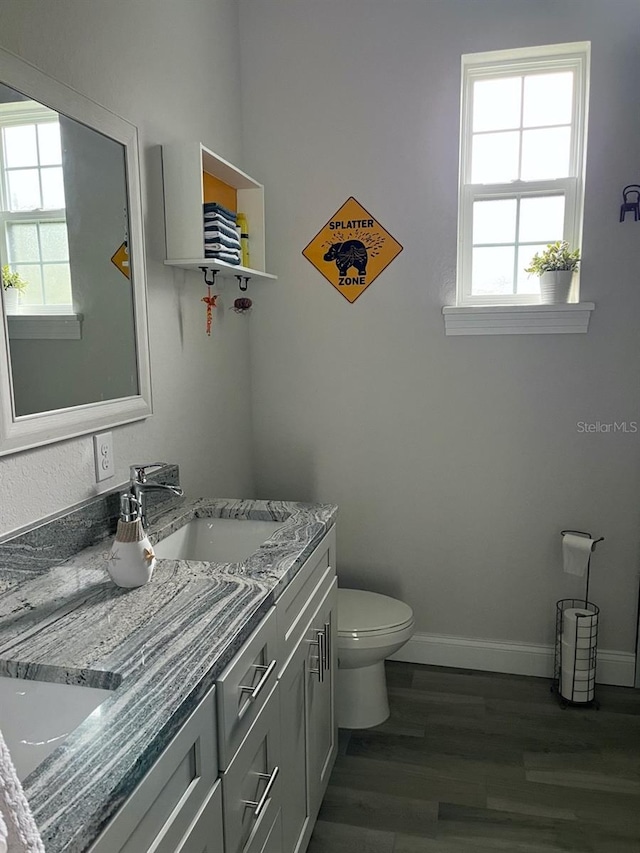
(209, 281)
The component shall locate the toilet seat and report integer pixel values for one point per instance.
(366, 615)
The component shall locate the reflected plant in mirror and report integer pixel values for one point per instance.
(13, 285)
(71, 229)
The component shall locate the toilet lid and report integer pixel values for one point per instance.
(368, 612)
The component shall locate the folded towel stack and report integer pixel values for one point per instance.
(18, 830)
(221, 239)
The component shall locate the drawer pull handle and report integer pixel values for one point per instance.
(266, 674)
(320, 642)
(327, 635)
(259, 806)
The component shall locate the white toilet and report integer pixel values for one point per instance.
(370, 628)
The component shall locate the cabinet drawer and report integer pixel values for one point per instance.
(251, 786)
(205, 835)
(160, 810)
(244, 687)
(272, 843)
(295, 605)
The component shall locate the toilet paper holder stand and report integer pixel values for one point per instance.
(576, 649)
(581, 693)
(593, 547)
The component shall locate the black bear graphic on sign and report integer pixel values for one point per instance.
(351, 253)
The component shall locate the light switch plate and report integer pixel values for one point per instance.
(103, 452)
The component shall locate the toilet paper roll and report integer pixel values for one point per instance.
(576, 551)
(581, 644)
(577, 686)
(579, 627)
(580, 659)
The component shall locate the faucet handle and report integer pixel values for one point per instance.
(138, 472)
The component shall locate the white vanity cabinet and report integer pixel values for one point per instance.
(309, 731)
(247, 771)
(296, 730)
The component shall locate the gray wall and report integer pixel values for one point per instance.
(173, 70)
(455, 461)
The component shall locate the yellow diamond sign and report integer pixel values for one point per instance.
(121, 259)
(352, 250)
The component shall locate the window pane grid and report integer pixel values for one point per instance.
(31, 162)
(547, 219)
(44, 285)
(33, 178)
(508, 151)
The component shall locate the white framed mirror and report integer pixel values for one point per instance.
(74, 352)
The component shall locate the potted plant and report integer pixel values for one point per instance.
(555, 266)
(12, 284)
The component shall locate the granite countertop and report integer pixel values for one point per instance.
(159, 647)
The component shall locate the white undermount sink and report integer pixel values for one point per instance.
(216, 540)
(36, 716)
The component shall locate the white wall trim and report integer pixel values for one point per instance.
(516, 658)
(562, 319)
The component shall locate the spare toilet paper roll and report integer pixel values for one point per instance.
(577, 686)
(580, 659)
(576, 551)
(579, 627)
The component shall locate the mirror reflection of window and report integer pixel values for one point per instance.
(33, 240)
(64, 213)
(75, 356)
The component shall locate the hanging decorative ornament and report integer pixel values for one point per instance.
(242, 305)
(210, 302)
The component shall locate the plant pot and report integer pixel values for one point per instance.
(10, 300)
(555, 286)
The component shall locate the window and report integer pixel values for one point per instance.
(523, 139)
(33, 229)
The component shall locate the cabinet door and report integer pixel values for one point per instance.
(309, 734)
(322, 727)
(294, 722)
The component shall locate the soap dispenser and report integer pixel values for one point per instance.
(131, 561)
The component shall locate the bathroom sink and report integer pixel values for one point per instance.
(216, 540)
(36, 717)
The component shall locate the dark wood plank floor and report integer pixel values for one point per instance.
(470, 762)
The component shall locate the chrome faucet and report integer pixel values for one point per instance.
(138, 485)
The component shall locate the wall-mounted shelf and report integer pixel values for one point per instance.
(226, 270)
(192, 175)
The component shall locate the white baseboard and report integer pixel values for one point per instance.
(516, 658)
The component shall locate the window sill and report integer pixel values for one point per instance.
(563, 319)
(24, 327)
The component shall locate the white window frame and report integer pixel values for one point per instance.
(544, 59)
